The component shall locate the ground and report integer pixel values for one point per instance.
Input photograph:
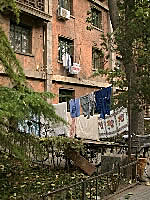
(138, 192)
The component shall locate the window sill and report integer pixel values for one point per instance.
(71, 16)
(94, 27)
(24, 54)
(59, 61)
(94, 69)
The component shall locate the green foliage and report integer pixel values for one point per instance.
(9, 5)
(63, 143)
(21, 183)
(19, 102)
(131, 40)
(8, 59)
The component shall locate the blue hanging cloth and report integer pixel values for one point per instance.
(74, 107)
(102, 98)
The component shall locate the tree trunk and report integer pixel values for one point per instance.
(137, 121)
(114, 16)
(136, 117)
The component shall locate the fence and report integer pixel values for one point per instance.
(97, 187)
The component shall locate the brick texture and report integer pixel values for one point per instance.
(76, 29)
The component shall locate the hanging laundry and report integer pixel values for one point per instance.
(113, 124)
(121, 119)
(68, 62)
(101, 127)
(84, 100)
(31, 126)
(103, 98)
(66, 58)
(75, 68)
(73, 128)
(74, 107)
(87, 129)
(92, 103)
(61, 111)
(54, 129)
(88, 104)
(71, 125)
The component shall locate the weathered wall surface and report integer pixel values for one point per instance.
(76, 29)
(32, 63)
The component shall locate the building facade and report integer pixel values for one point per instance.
(71, 37)
(57, 51)
(29, 40)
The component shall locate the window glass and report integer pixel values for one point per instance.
(21, 38)
(65, 46)
(97, 59)
(119, 64)
(67, 4)
(97, 18)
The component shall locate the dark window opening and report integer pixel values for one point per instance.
(65, 46)
(97, 59)
(119, 64)
(65, 95)
(97, 18)
(21, 38)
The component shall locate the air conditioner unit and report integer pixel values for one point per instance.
(63, 13)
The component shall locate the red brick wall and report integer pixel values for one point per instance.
(75, 29)
(4, 81)
(35, 60)
(31, 62)
(36, 85)
(79, 90)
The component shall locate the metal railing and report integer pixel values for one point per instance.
(97, 187)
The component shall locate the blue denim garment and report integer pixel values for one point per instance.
(103, 98)
(74, 107)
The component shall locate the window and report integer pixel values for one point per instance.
(97, 18)
(65, 46)
(97, 59)
(119, 64)
(67, 4)
(21, 38)
(65, 95)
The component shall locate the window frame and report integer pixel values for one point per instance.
(66, 97)
(24, 29)
(97, 19)
(66, 45)
(97, 63)
(66, 4)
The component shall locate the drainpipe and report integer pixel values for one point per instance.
(47, 55)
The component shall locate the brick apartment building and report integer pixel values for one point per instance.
(70, 34)
(29, 40)
(50, 29)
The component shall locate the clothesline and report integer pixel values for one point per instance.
(94, 128)
(98, 101)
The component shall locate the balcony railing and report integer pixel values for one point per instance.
(38, 4)
(39, 8)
